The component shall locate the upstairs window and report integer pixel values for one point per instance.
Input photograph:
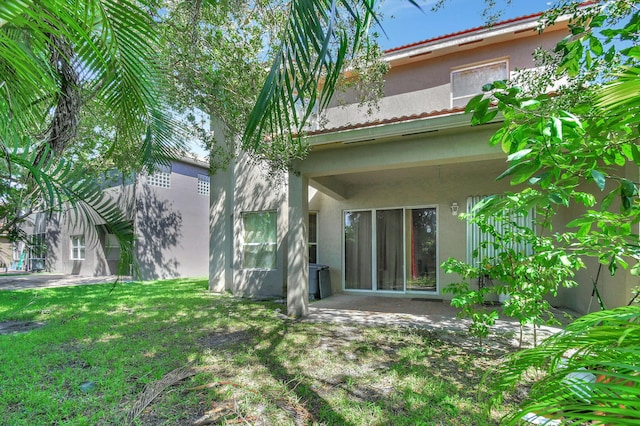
(467, 82)
(203, 184)
(161, 178)
(259, 244)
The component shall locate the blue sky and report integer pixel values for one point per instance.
(405, 24)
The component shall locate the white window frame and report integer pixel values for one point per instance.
(77, 247)
(273, 244)
(473, 67)
(204, 184)
(161, 178)
(374, 248)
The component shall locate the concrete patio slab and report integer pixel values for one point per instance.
(427, 314)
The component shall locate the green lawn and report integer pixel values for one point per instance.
(100, 347)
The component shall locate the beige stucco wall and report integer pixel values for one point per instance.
(254, 189)
(430, 186)
(424, 86)
(615, 290)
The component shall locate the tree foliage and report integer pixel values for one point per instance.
(58, 59)
(264, 68)
(572, 147)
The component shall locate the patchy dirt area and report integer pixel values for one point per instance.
(291, 375)
(11, 327)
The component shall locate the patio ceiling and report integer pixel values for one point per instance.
(341, 186)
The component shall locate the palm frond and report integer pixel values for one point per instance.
(592, 371)
(623, 92)
(61, 183)
(307, 66)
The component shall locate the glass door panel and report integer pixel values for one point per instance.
(358, 250)
(389, 250)
(421, 249)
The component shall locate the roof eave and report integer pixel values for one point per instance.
(393, 130)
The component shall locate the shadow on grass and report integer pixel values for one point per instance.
(315, 406)
(132, 336)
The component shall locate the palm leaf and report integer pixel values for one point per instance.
(622, 95)
(306, 67)
(603, 345)
(62, 184)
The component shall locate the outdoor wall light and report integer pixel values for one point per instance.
(454, 209)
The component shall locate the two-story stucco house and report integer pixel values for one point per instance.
(169, 211)
(377, 199)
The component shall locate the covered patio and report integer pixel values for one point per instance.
(435, 315)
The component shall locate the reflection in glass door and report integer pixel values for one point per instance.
(357, 250)
(422, 261)
(389, 250)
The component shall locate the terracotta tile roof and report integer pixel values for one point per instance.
(472, 30)
(430, 114)
(390, 120)
(463, 32)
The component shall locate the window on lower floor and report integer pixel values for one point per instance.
(313, 237)
(259, 243)
(37, 251)
(467, 82)
(111, 247)
(77, 247)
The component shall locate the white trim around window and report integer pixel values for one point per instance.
(426, 280)
(467, 81)
(77, 246)
(259, 240)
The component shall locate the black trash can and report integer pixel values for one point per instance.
(319, 284)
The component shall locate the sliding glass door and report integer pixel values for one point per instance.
(422, 261)
(391, 250)
(357, 250)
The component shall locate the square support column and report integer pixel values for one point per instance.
(220, 234)
(221, 194)
(297, 252)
